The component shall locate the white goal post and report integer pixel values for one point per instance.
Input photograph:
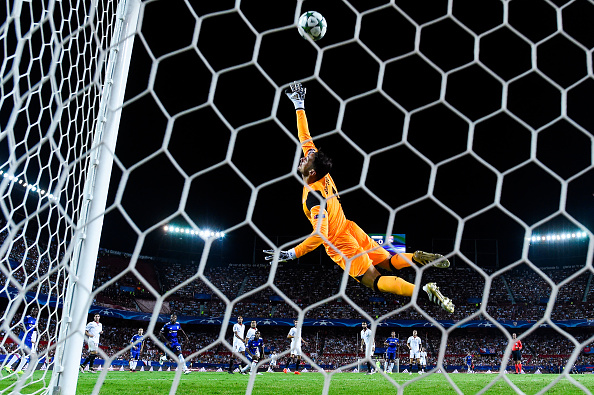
(76, 96)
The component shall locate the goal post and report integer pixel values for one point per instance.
(88, 234)
(63, 78)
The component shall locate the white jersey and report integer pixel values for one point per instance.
(250, 334)
(415, 343)
(295, 341)
(366, 337)
(238, 330)
(369, 342)
(95, 329)
(273, 358)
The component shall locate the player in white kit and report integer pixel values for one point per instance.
(423, 359)
(238, 342)
(295, 336)
(367, 345)
(93, 332)
(414, 344)
(273, 361)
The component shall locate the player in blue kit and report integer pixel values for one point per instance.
(27, 346)
(391, 343)
(137, 342)
(169, 334)
(252, 352)
(469, 365)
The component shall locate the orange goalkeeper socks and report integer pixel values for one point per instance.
(398, 261)
(395, 285)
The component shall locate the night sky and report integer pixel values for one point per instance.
(480, 131)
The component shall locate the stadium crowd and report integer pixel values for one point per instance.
(515, 294)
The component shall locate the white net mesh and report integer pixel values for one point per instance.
(53, 68)
(465, 125)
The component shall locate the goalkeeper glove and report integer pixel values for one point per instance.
(297, 95)
(282, 257)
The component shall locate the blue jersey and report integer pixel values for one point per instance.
(137, 338)
(254, 345)
(392, 344)
(469, 360)
(170, 331)
(29, 335)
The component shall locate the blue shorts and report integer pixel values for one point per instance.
(135, 354)
(26, 346)
(175, 346)
(391, 355)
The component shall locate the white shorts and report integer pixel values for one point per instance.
(369, 351)
(273, 362)
(423, 361)
(239, 347)
(296, 350)
(415, 354)
(92, 345)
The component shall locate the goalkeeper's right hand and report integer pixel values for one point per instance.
(283, 256)
(297, 95)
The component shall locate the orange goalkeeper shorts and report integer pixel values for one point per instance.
(354, 243)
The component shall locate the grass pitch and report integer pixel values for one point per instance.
(157, 383)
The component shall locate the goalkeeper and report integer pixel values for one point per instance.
(344, 240)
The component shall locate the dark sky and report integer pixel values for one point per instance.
(507, 124)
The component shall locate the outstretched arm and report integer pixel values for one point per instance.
(319, 220)
(296, 92)
(318, 216)
(311, 243)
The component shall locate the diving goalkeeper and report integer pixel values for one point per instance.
(344, 240)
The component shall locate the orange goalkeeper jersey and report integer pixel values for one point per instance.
(329, 220)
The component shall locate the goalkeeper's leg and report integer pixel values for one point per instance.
(371, 278)
(396, 285)
(383, 259)
(402, 260)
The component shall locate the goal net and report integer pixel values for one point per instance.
(464, 125)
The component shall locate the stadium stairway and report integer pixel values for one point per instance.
(587, 289)
(509, 291)
(243, 284)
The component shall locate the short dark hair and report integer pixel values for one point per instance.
(322, 163)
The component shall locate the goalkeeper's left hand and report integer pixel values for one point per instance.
(283, 256)
(297, 95)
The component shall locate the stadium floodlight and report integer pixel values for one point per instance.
(204, 233)
(553, 237)
(16, 180)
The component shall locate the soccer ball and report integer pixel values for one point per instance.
(312, 24)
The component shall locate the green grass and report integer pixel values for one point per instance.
(157, 383)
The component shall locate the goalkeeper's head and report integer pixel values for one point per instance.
(314, 166)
